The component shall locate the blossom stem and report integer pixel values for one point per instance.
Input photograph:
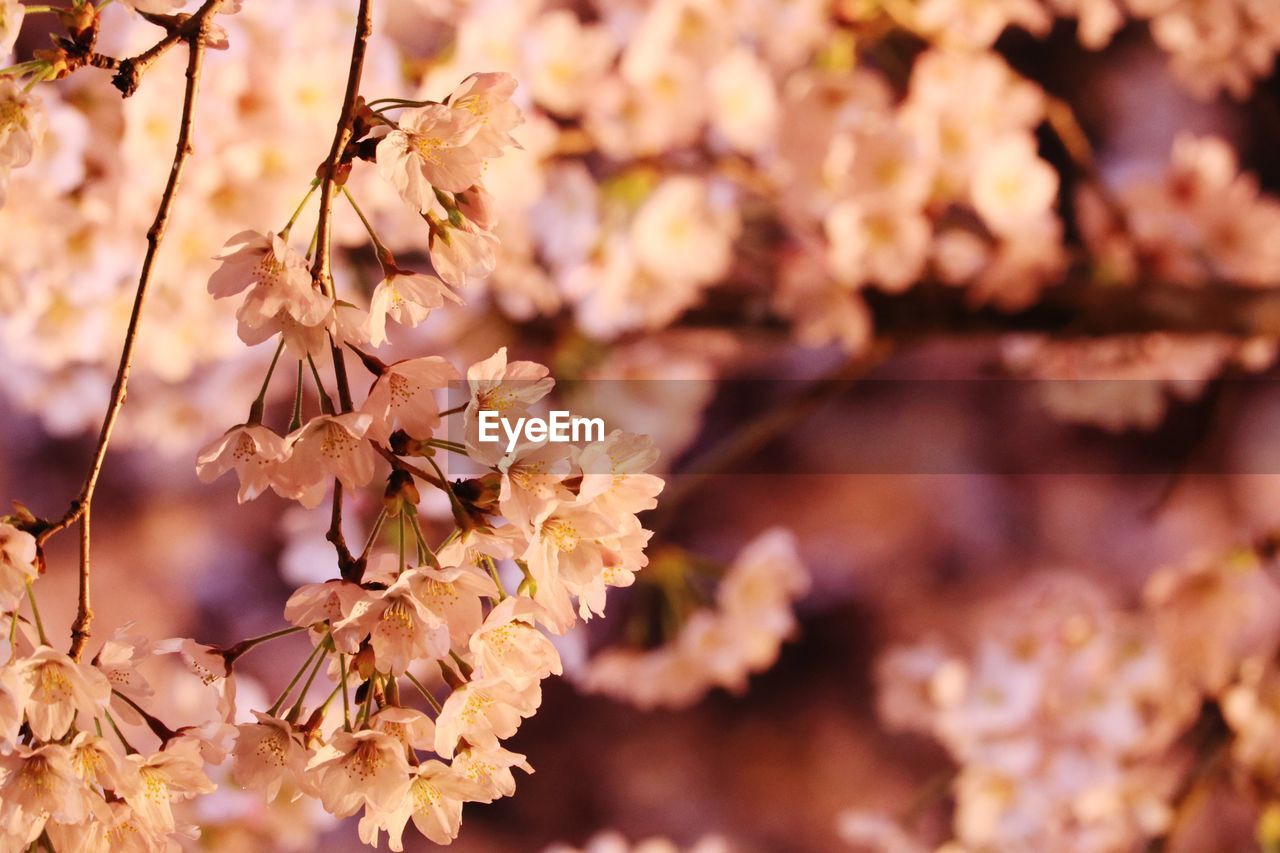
(493, 573)
(426, 694)
(444, 444)
(128, 747)
(454, 503)
(400, 523)
(193, 31)
(424, 550)
(368, 226)
(296, 420)
(346, 704)
(255, 410)
(373, 532)
(288, 226)
(35, 612)
(158, 728)
(461, 407)
(306, 664)
(240, 648)
(326, 402)
(302, 695)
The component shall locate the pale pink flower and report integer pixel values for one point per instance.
(11, 14)
(408, 298)
(118, 660)
(460, 253)
(17, 565)
(484, 712)
(430, 151)
(744, 101)
(487, 97)
(314, 604)
(334, 446)
(269, 754)
(508, 389)
(276, 276)
(39, 785)
(55, 689)
(454, 595)
(22, 124)
(1012, 185)
(402, 398)
(174, 773)
(409, 726)
(887, 246)
(364, 768)
(569, 554)
(254, 451)
(533, 476)
(614, 481)
(682, 232)
(564, 58)
(490, 770)
(98, 762)
(509, 645)
(400, 628)
(434, 802)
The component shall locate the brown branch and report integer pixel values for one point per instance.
(79, 509)
(321, 275)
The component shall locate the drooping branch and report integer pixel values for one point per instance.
(194, 34)
(321, 273)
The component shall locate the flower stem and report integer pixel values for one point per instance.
(255, 410)
(275, 706)
(240, 648)
(288, 226)
(426, 694)
(346, 704)
(35, 612)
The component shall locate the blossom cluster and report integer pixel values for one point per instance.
(655, 173)
(716, 646)
(1068, 715)
(69, 776)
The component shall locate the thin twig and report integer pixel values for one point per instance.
(193, 32)
(321, 275)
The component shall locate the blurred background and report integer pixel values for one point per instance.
(976, 300)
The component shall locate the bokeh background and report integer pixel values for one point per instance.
(1016, 407)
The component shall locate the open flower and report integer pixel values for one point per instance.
(401, 630)
(254, 451)
(484, 712)
(11, 14)
(39, 785)
(365, 768)
(56, 689)
(268, 754)
(490, 770)
(402, 397)
(174, 773)
(407, 297)
(487, 97)
(17, 565)
(508, 389)
(429, 151)
(509, 646)
(331, 445)
(275, 274)
(434, 802)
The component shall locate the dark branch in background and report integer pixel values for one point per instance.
(193, 32)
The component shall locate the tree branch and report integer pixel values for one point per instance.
(321, 275)
(193, 32)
